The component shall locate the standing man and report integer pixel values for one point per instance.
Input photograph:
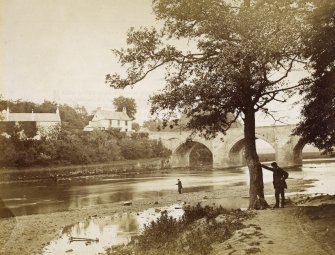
(180, 186)
(279, 183)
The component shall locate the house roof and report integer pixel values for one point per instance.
(110, 115)
(38, 117)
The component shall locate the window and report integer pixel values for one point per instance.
(126, 122)
(118, 122)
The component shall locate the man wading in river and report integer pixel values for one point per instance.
(180, 186)
(279, 183)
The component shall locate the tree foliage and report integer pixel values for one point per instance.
(78, 147)
(135, 126)
(318, 124)
(70, 144)
(238, 56)
(237, 51)
(125, 102)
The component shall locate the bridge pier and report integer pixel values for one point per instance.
(235, 159)
(179, 160)
(288, 151)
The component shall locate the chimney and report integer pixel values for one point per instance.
(57, 110)
(32, 115)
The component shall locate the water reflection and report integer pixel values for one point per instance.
(32, 198)
(107, 231)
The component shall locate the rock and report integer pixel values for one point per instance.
(252, 250)
(157, 210)
(127, 203)
(186, 248)
(221, 219)
(228, 246)
(156, 203)
(249, 231)
(270, 242)
(71, 250)
(205, 197)
(254, 243)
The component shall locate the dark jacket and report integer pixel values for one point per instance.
(279, 177)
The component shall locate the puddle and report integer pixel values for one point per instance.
(105, 232)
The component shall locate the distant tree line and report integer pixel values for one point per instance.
(70, 145)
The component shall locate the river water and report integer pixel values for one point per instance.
(37, 198)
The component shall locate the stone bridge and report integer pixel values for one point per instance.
(227, 150)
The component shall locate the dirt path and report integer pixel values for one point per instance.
(288, 233)
(295, 230)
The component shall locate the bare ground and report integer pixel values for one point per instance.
(295, 230)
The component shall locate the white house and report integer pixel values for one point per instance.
(104, 119)
(45, 122)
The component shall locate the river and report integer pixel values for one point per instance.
(41, 198)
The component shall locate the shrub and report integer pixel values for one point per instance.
(192, 234)
(77, 147)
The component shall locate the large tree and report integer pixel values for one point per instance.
(239, 54)
(318, 123)
(126, 102)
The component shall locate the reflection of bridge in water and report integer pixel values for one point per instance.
(227, 150)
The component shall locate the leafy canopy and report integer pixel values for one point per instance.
(128, 103)
(236, 57)
(318, 123)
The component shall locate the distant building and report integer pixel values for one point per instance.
(45, 122)
(104, 119)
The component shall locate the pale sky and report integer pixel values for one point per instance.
(59, 50)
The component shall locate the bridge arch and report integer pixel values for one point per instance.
(297, 151)
(235, 152)
(191, 153)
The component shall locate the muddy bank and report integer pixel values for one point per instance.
(29, 234)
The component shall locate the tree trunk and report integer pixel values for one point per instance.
(256, 190)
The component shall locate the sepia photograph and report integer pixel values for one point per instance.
(167, 127)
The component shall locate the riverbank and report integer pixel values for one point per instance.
(29, 234)
(69, 172)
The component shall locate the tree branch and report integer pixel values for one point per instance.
(267, 113)
(266, 100)
(282, 89)
(286, 73)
